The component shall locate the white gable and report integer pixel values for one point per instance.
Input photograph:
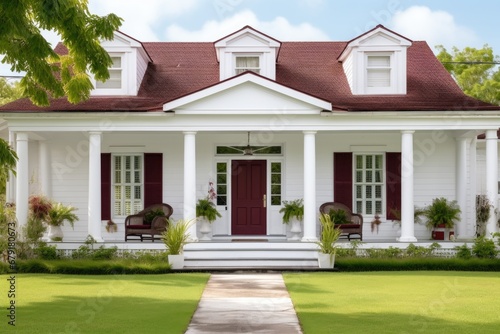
(247, 42)
(248, 94)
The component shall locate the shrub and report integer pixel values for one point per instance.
(463, 252)
(484, 248)
(104, 253)
(391, 252)
(45, 252)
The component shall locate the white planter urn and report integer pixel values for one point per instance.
(295, 229)
(205, 229)
(326, 261)
(55, 233)
(176, 261)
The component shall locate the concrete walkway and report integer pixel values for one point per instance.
(245, 303)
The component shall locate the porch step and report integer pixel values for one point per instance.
(250, 255)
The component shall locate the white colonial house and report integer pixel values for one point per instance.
(376, 123)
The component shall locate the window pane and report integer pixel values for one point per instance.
(118, 177)
(359, 192)
(379, 78)
(276, 167)
(379, 61)
(117, 62)
(276, 178)
(368, 191)
(369, 177)
(275, 200)
(378, 207)
(359, 176)
(128, 192)
(276, 189)
(378, 176)
(369, 162)
(118, 208)
(359, 206)
(378, 161)
(221, 178)
(369, 208)
(128, 208)
(127, 177)
(221, 167)
(378, 191)
(137, 192)
(128, 163)
(221, 189)
(359, 162)
(118, 192)
(221, 200)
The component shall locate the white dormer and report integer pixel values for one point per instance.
(247, 50)
(130, 61)
(375, 62)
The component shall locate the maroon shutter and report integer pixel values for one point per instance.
(342, 178)
(105, 186)
(153, 178)
(393, 184)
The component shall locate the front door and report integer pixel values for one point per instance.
(248, 197)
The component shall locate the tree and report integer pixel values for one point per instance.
(47, 73)
(8, 161)
(9, 92)
(475, 70)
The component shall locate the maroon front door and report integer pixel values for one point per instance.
(248, 197)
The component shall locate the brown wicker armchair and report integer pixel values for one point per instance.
(356, 226)
(136, 225)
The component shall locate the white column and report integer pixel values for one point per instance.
(461, 186)
(11, 183)
(310, 186)
(190, 181)
(94, 213)
(22, 180)
(44, 161)
(492, 179)
(407, 206)
(471, 226)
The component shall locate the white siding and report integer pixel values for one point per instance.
(142, 65)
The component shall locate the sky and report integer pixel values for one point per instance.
(449, 23)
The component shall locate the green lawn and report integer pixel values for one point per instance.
(396, 302)
(102, 304)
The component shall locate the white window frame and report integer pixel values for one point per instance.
(123, 90)
(391, 89)
(124, 184)
(373, 183)
(257, 70)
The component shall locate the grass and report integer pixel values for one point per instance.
(396, 302)
(102, 304)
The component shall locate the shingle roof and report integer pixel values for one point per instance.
(179, 69)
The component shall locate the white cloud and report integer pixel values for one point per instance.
(278, 28)
(435, 27)
(140, 17)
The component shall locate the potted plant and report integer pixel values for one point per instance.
(111, 226)
(483, 206)
(441, 214)
(207, 213)
(55, 218)
(175, 238)
(328, 237)
(293, 212)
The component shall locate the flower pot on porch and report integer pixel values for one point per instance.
(326, 261)
(442, 233)
(295, 230)
(205, 229)
(176, 261)
(55, 233)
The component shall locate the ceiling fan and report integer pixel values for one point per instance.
(249, 150)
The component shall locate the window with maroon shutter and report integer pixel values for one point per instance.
(130, 182)
(393, 184)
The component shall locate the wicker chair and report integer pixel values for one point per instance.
(135, 225)
(356, 226)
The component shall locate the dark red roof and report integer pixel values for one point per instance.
(179, 69)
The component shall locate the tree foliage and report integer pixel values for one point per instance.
(47, 73)
(9, 91)
(474, 70)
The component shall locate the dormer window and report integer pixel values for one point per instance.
(247, 63)
(115, 76)
(378, 72)
(375, 62)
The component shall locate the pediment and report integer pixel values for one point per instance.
(248, 94)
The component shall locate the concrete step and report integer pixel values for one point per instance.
(251, 254)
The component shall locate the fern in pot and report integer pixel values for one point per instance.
(206, 211)
(55, 218)
(443, 214)
(293, 213)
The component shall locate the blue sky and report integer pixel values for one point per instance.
(447, 22)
